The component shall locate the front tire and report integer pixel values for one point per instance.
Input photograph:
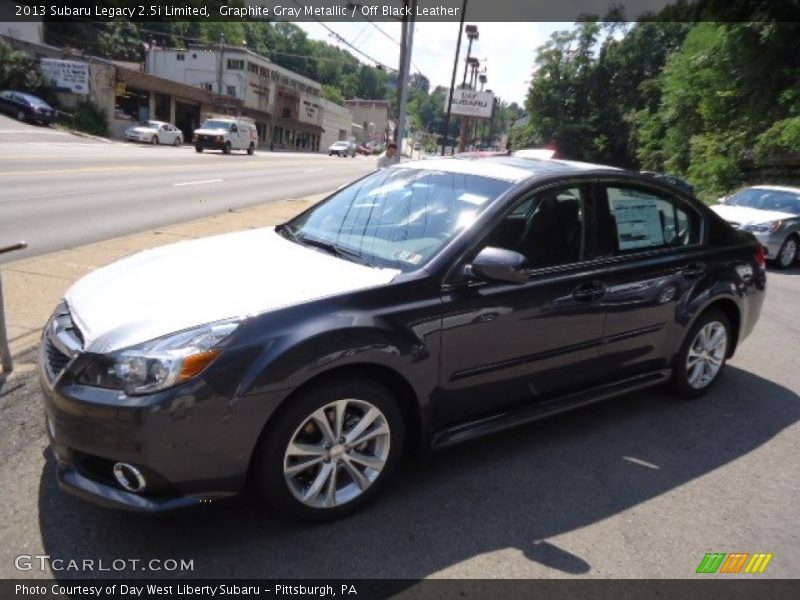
(198, 149)
(226, 149)
(331, 450)
(251, 149)
(21, 116)
(178, 141)
(787, 255)
(702, 356)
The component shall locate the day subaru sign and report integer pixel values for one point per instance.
(471, 103)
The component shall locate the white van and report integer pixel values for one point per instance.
(226, 134)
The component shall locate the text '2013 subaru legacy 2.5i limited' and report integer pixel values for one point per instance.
(420, 306)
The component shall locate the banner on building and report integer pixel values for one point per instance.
(471, 103)
(66, 75)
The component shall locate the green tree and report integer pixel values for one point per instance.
(19, 71)
(333, 94)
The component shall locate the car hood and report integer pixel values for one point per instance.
(219, 131)
(179, 286)
(745, 215)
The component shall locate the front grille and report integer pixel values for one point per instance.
(62, 341)
(56, 360)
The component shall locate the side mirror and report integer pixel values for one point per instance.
(499, 264)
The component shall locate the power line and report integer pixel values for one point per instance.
(389, 37)
(348, 44)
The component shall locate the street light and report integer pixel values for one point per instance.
(472, 35)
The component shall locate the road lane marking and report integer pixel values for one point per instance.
(198, 182)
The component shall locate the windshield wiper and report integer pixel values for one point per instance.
(286, 231)
(332, 248)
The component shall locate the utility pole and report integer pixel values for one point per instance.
(472, 34)
(405, 69)
(219, 70)
(453, 77)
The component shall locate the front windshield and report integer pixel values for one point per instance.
(764, 199)
(396, 218)
(216, 125)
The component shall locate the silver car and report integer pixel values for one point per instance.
(772, 214)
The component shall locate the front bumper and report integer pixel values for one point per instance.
(209, 143)
(193, 442)
(135, 137)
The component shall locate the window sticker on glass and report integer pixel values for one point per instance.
(472, 198)
(408, 256)
(638, 221)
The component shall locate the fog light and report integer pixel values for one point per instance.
(129, 477)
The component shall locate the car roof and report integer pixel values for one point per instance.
(777, 188)
(505, 168)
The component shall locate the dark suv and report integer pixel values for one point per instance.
(423, 305)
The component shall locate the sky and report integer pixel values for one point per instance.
(509, 49)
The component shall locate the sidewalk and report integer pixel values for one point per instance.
(32, 287)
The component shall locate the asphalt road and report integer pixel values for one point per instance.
(641, 486)
(59, 190)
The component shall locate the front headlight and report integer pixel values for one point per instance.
(769, 227)
(160, 363)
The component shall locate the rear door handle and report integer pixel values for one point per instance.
(694, 270)
(589, 292)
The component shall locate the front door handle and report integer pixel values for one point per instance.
(694, 270)
(589, 292)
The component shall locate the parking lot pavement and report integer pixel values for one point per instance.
(641, 486)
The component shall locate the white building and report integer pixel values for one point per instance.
(337, 123)
(285, 106)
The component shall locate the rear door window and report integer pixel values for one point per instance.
(643, 219)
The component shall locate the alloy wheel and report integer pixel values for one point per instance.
(337, 453)
(706, 354)
(788, 253)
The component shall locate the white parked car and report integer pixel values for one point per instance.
(155, 132)
(772, 214)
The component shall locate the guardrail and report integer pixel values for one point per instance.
(5, 350)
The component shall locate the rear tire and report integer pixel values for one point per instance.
(787, 255)
(178, 141)
(702, 356)
(154, 140)
(198, 149)
(21, 115)
(251, 149)
(226, 149)
(338, 480)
